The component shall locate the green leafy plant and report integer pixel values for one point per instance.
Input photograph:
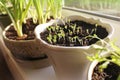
(39, 8)
(18, 13)
(46, 8)
(111, 48)
(56, 8)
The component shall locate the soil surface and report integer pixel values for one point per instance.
(28, 31)
(74, 36)
(110, 73)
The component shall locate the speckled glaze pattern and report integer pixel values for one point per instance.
(24, 49)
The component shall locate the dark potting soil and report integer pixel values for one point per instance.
(28, 30)
(73, 33)
(110, 73)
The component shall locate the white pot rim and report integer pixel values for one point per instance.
(91, 69)
(38, 30)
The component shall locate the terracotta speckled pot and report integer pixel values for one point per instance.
(25, 50)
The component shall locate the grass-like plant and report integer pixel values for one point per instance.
(56, 8)
(18, 13)
(111, 48)
(46, 8)
(39, 8)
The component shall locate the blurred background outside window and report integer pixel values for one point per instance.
(111, 7)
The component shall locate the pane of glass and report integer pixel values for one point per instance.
(104, 6)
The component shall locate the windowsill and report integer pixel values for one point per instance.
(95, 13)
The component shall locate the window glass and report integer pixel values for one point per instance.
(111, 7)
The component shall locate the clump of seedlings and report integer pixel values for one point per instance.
(73, 33)
(108, 67)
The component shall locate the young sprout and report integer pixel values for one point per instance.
(87, 31)
(54, 38)
(70, 32)
(68, 22)
(57, 28)
(73, 27)
(53, 28)
(60, 37)
(74, 39)
(96, 25)
(49, 29)
(49, 38)
(78, 31)
(86, 42)
(93, 31)
(63, 34)
(66, 27)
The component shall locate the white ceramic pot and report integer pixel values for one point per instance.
(70, 63)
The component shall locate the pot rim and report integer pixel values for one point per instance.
(91, 69)
(4, 31)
